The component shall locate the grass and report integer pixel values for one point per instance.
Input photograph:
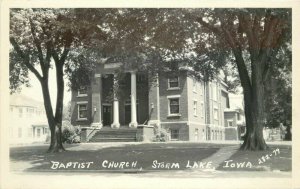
(35, 158)
(144, 154)
(276, 158)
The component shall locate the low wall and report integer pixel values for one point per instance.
(145, 133)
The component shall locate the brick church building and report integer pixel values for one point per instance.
(186, 108)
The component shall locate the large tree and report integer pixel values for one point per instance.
(252, 37)
(42, 39)
(75, 40)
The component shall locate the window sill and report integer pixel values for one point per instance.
(82, 119)
(173, 89)
(82, 95)
(174, 115)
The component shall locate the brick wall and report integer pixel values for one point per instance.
(74, 108)
(183, 100)
(182, 127)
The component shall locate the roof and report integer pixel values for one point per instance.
(22, 100)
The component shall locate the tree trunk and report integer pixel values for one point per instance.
(254, 111)
(56, 139)
(55, 127)
(253, 89)
(254, 139)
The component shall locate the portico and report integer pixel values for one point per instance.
(107, 112)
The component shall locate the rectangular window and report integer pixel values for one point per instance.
(202, 109)
(174, 106)
(38, 133)
(82, 91)
(230, 123)
(174, 134)
(173, 82)
(19, 132)
(82, 111)
(239, 116)
(195, 108)
(20, 112)
(214, 86)
(196, 134)
(30, 111)
(194, 85)
(216, 113)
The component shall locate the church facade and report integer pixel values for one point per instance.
(186, 108)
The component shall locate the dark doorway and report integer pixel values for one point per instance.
(107, 121)
(128, 113)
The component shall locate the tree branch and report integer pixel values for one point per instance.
(25, 58)
(267, 41)
(252, 40)
(212, 28)
(37, 44)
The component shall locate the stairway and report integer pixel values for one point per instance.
(108, 134)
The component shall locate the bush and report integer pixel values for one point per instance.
(70, 133)
(161, 135)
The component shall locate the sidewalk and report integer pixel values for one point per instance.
(221, 155)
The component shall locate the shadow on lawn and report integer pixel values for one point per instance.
(143, 155)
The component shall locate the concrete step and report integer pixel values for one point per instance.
(107, 134)
(113, 140)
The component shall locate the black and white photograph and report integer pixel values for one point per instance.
(148, 96)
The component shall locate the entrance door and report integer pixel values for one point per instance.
(107, 115)
(127, 114)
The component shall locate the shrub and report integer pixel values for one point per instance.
(161, 135)
(70, 133)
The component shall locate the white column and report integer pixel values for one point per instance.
(116, 122)
(133, 122)
(96, 101)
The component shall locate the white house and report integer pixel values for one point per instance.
(28, 122)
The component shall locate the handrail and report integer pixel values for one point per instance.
(89, 135)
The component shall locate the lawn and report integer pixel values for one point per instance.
(149, 157)
(140, 157)
(276, 158)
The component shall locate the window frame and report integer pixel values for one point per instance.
(82, 94)
(20, 132)
(216, 118)
(230, 121)
(172, 134)
(169, 105)
(194, 85)
(174, 88)
(78, 109)
(202, 109)
(195, 108)
(20, 111)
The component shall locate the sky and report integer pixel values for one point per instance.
(35, 90)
